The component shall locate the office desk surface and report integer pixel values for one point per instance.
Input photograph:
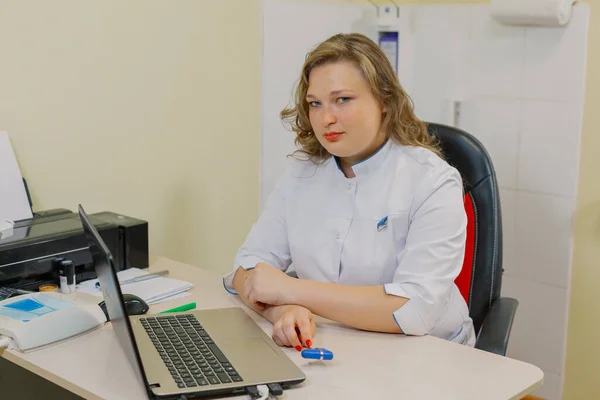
(366, 365)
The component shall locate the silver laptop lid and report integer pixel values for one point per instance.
(113, 298)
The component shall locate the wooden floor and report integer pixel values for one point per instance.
(532, 398)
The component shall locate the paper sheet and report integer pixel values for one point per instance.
(14, 205)
(152, 291)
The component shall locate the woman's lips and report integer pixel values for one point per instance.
(333, 136)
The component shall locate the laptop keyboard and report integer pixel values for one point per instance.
(192, 357)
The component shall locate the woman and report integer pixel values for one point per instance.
(371, 216)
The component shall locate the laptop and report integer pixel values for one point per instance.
(193, 353)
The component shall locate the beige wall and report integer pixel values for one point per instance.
(583, 350)
(148, 108)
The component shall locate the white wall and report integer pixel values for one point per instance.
(521, 92)
(285, 45)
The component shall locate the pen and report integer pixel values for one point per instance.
(185, 307)
(141, 278)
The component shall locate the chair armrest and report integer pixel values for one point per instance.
(495, 330)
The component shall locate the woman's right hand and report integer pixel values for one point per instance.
(295, 327)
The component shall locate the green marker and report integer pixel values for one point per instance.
(184, 307)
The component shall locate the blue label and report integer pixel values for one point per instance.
(388, 41)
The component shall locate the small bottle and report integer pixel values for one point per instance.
(66, 273)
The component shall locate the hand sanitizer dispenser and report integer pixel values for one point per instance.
(388, 17)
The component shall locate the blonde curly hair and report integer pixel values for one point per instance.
(399, 121)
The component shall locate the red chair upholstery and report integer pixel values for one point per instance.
(480, 280)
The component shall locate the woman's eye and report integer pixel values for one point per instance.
(313, 103)
(344, 99)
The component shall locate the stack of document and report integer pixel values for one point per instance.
(152, 291)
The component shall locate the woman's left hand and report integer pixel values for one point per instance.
(267, 285)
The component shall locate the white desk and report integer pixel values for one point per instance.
(365, 366)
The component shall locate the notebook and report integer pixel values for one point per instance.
(152, 291)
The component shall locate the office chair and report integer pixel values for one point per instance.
(481, 277)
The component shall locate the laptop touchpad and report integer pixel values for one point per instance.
(248, 347)
(245, 354)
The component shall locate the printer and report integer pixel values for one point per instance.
(29, 257)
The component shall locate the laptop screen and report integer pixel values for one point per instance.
(105, 269)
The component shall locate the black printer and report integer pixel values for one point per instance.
(29, 258)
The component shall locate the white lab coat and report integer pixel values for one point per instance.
(334, 229)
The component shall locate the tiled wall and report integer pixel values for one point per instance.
(521, 93)
(285, 45)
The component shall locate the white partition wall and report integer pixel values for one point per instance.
(290, 30)
(519, 90)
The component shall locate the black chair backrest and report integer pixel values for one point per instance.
(480, 280)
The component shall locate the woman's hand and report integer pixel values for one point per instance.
(294, 327)
(266, 284)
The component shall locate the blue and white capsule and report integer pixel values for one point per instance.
(317, 354)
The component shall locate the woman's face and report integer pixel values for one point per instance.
(344, 114)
